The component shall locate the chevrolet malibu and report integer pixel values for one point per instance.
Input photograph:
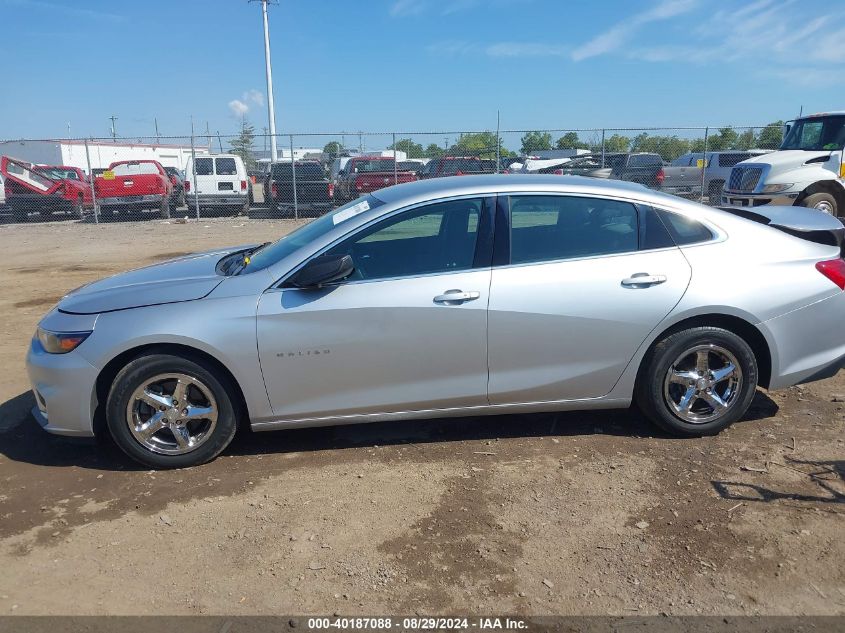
(462, 296)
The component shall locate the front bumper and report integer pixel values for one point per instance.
(745, 199)
(807, 344)
(64, 388)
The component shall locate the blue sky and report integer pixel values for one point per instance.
(415, 65)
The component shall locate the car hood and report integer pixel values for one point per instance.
(184, 279)
(787, 158)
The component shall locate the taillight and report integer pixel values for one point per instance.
(331, 190)
(558, 172)
(459, 173)
(833, 269)
(274, 190)
(661, 176)
(243, 185)
(187, 185)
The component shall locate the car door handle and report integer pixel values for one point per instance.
(642, 280)
(456, 297)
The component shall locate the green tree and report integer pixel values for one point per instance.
(433, 151)
(242, 145)
(413, 150)
(669, 147)
(332, 148)
(570, 140)
(536, 141)
(770, 137)
(481, 144)
(616, 143)
(747, 140)
(724, 138)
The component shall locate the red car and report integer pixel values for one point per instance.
(134, 185)
(365, 174)
(45, 189)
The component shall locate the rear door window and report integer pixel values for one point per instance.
(549, 228)
(684, 230)
(226, 166)
(204, 166)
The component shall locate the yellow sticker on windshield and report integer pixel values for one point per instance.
(700, 163)
(108, 175)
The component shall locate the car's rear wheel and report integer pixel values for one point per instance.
(698, 381)
(171, 412)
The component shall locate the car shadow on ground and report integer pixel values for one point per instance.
(826, 479)
(23, 440)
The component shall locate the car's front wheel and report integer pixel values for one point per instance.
(171, 412)
(698, 381)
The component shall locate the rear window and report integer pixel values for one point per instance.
(226, 166)
(135, 169)
(376, 164)
(684, 230)
(645, 160)
(304, 171)
(204, 166)
(729, 160)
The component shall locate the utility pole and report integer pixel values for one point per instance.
(113, 128)
(271, 110)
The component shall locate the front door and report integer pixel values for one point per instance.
(406, 332)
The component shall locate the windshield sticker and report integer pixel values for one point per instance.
(351, 212)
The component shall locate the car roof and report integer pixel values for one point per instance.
(494, 183)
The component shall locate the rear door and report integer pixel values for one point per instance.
(206, 180)
(583, 282)
(227, 176)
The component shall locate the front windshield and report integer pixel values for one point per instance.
(277, 251)
(817, 133)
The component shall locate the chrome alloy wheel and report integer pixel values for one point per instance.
(824, 205)
(702, 384)
(172, 414)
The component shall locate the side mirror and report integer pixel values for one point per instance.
(322, 270)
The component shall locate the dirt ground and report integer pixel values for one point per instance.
(577, 513)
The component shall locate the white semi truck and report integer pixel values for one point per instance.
(807, 171)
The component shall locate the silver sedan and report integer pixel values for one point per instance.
(450, 297)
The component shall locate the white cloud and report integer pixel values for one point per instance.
(402, 8)
(238, 107)
(253, 96)
(526, 49)
(619, 34)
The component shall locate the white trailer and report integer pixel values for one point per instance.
(102, 153)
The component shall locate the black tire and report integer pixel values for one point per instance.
(164, 210)
(649, 395)
(714, 192)
(823, 201)
(146, 367)
(78, 210)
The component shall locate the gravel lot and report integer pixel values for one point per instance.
(577, 513)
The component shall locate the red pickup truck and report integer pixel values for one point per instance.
(365, 174)
(44, 188)
(134, 185)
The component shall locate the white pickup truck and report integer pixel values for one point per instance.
(808, 170)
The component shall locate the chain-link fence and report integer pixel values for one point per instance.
(202, 176)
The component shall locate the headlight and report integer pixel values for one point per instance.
(60, 342)
(776, 188)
